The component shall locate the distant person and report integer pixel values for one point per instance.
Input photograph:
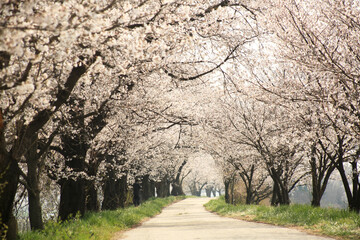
(136, 193)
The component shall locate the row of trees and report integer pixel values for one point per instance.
(291, 112)
(95, 95)
(88, 95)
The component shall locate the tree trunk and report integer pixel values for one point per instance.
(208, 191)
(152, 188)
(110, 201)
(123, 190)
(74, 149)
(227, 190)
(249, 196)
(115, 191)
(92, 202)
(9, 178)
(352, 197)
(320, 173)
(177, 189)
(275, 194)
(72, 199)
(285, 199)
(35, 211)
(177, 184)
(280, 190)
(162, 188)
(356, 191)
(214, 192)
(146, 191)
(316, 198)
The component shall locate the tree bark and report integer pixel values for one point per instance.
(92, 202)
(208, 191)
(320, 173)
(275, 195)
(110, 201)
(9, 178)
(163, 188)
(227, 197)
(177, 184)
(356, 187)
(214, 191)
(176, 190)
(146, 188)
(123, 189)
(72, 199)
(73, 190)
(35, 211)
(115, 191)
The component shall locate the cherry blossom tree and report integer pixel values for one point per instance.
(319, 50)
(48, 47)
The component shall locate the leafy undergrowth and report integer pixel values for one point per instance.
(101, 225)
(341, 224)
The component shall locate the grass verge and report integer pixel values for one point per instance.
(337, 223)
(100, 225)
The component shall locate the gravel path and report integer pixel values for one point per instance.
(188, 219)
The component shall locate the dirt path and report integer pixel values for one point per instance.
(188, 219)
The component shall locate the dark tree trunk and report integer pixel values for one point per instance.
(275, 195)
(280, 194)
(285, 199)
(176, 190)
(249, 196)
(152, 188)
(193, 189)
(110, 201)
(74, 148)
(280, 190)
(356, 187)
(35, 211)
(208, 191)
(72, 199)
(177, 184)
(146, 188)
(73, 190)
(9, 178)
(227, 191)
(115, 191)
(214, 192)
(92, 201)
(163, 188)
(321, 170)
(353, 196)
(123, 189)
(316, 196)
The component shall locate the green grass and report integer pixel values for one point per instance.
(101, 225)
(325, 221)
